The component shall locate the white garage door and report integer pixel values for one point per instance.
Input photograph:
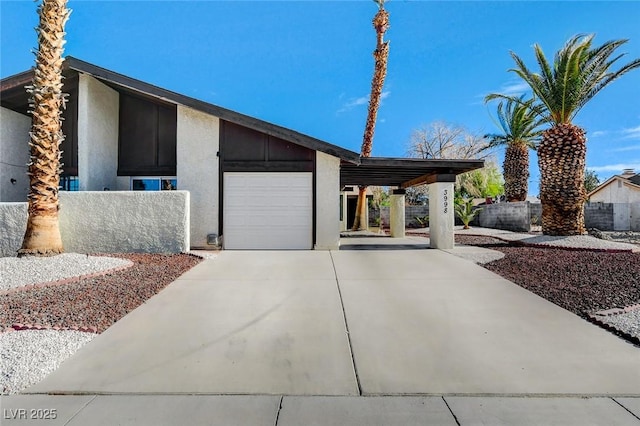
(268, 210)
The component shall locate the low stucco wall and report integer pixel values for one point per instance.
(109, 222)
(13, 222)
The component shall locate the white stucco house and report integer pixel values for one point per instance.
(253, 183)
(622, 188)
(623, 193)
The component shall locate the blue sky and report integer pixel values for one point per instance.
(307, 65)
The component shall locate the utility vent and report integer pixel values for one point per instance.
(212, 239)
(628, 172)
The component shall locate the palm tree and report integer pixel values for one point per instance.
(578, 73)
(42, 237)
(380, 55)
(520, 132)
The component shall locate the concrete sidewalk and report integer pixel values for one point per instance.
(345, 336)
(266, 410)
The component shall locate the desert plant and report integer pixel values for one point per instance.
(422, 220)
(465, 211)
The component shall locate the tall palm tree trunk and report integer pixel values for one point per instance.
(380, 55)
(516, 172)
(42, 237)
(561, 158)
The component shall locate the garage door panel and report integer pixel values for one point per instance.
(268, 210)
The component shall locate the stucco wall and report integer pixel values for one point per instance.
(13, 223)
(109, 222)
(616, 192)
(14, 155)
(98, 107)
(634, 221)
(198, 142)
(634, 195)
(327, 201)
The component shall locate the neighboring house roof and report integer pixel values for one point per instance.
(354, 170)
(632, 182)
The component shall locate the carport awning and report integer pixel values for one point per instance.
(403, 172)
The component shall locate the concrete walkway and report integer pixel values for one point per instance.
(343, 337)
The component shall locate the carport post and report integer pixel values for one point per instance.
(441, 215)
(396, 214)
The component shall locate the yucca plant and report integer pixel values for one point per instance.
(380, 55)
(42, 236)
(578, 73)
(465, 211)
(520, 133)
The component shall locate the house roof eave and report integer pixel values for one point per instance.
(220, 112)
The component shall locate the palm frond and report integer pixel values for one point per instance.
(578, 73)
(517, 120)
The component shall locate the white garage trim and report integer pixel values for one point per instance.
(268, 210)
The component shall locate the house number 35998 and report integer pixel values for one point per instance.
(445, 200)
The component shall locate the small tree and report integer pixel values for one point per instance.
(591, 180)
(440, 140)
(481, 183)
(465, 211)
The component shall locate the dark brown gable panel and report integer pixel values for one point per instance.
(69, 146)
(243, 144)
(147, 138)
(247, 150)
(281, 150)
(167, 129)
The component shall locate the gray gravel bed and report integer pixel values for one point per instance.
(629, 322)
(573, 241)
(18, 272)
(28, 356)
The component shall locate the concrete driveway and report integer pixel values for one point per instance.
(390, 321)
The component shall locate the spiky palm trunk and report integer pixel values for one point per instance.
(42, 236)
(516, 172)
(380, 55)
(561, 158)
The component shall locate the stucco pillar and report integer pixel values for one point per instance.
(328, 202)
(396, 213)
(441, 215)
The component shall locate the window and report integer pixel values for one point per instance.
(69, 183)
(164, 183)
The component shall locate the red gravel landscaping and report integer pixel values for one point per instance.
(580, 281)
(98, 302)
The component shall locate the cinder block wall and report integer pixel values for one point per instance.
(410, 213)
(508, 216)
(599, 215)
(518, 216)
(535, 213)
(109, 222)
(635, 217)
